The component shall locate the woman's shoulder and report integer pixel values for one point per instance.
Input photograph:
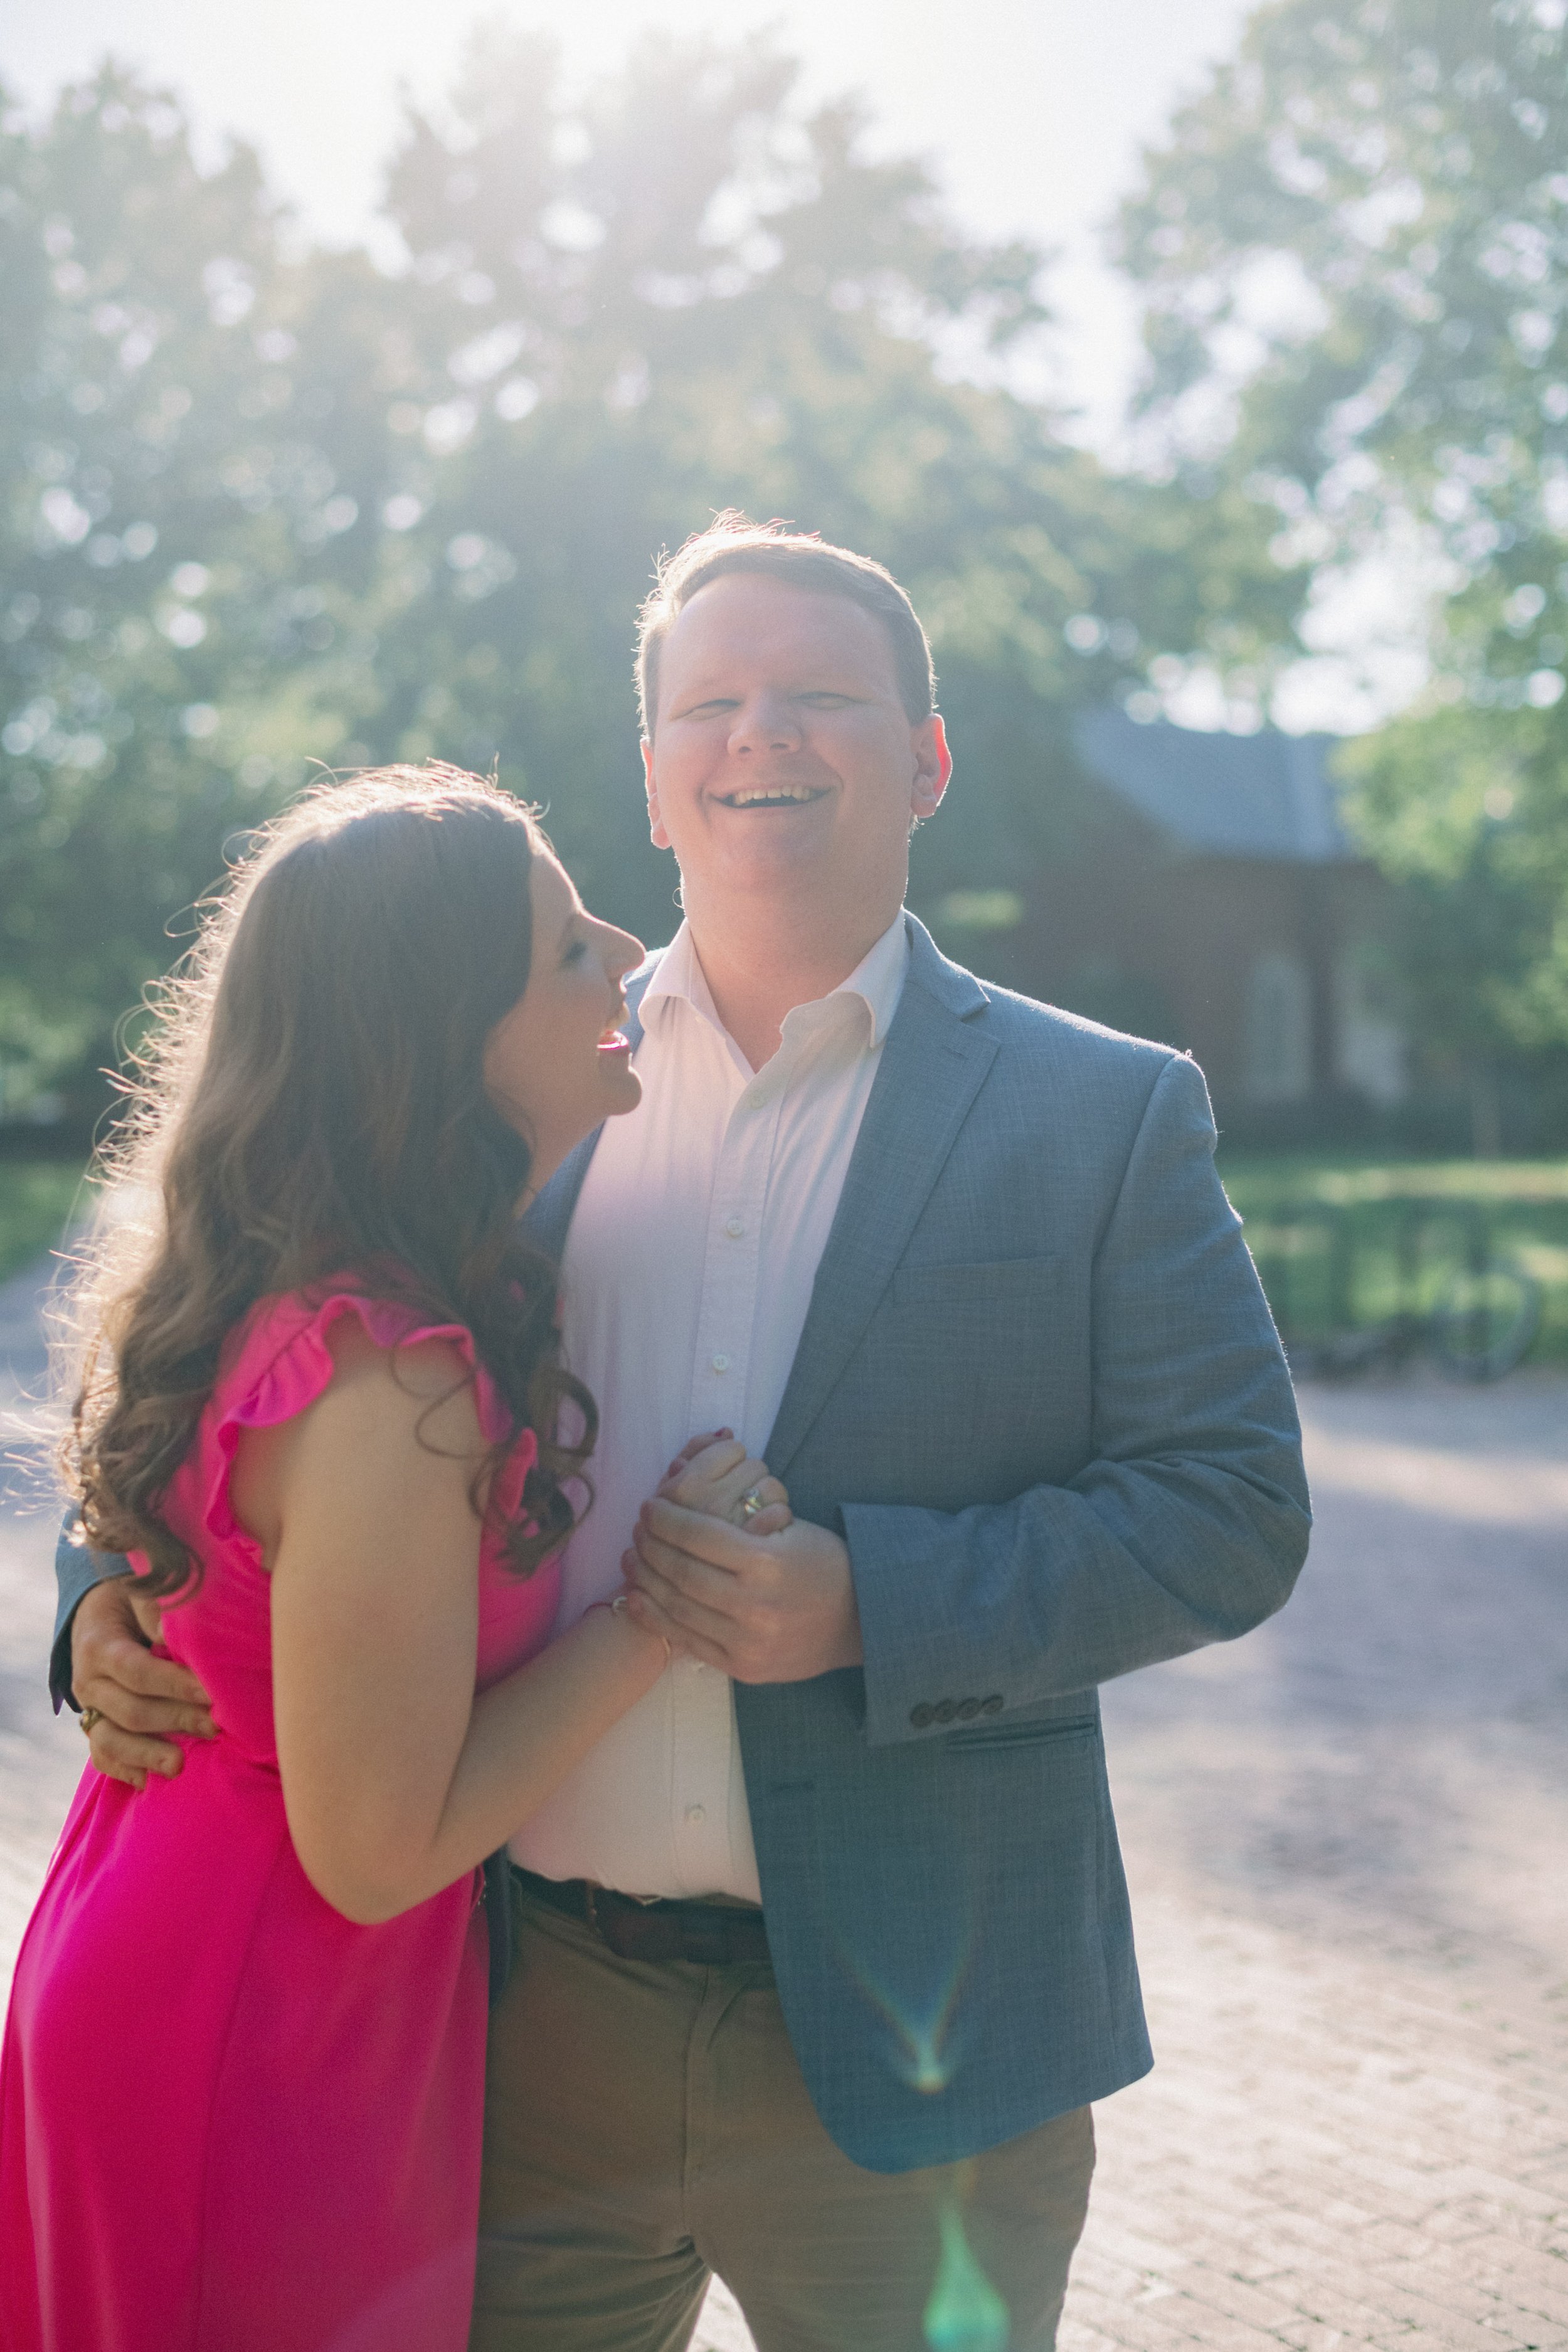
(292, 1345)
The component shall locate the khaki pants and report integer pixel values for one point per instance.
(646, 2124)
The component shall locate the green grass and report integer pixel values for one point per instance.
(37, 1196)
(1340, 1238)
(1281, 1197)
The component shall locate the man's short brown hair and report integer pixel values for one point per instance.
(731, 543)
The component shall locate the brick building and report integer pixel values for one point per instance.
(1216, 901)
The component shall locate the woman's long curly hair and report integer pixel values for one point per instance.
(311, 1106)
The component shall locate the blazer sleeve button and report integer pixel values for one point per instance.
(992, 1705)
(922, 1715)
(944, 1710)
(968, 1708)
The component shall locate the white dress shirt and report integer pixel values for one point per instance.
(686, 1276)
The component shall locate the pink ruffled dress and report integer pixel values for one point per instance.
(230, 2119)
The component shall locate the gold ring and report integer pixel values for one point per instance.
(752, 1503)
(90, 1716)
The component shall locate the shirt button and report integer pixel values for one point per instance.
(755, 1100)
(695, 1815)
(720, 1362)
(734, 1227)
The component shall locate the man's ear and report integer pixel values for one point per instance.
(933, 766)
(656, 826)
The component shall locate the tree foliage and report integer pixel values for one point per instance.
(1353, 248)
(266, 506)
(175, 538)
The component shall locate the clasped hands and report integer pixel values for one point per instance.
(762, 1595)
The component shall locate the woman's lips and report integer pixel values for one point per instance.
(616, 1043)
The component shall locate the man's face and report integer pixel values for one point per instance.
(782, 754)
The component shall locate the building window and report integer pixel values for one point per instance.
(1371, 1050)
(1278, 1042)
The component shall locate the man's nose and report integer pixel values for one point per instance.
(767, 723)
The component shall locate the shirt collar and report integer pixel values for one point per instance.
(878, 979)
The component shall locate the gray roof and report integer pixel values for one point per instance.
(1263, 795)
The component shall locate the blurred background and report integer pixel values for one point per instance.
(1203, 372)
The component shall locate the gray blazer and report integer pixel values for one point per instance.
(1040, 1394)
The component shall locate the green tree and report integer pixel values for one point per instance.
(267, 506)
(181, 552)
(685, 294)
(1354, 249)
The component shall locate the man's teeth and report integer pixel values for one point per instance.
(769, 793)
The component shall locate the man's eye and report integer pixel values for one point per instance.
(575, 952)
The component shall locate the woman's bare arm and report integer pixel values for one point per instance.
(395, 1778)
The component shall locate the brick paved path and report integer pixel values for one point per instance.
(40, 1758)
(1348, 1842)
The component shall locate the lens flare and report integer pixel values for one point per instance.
(925, 2058)
(966, 2313)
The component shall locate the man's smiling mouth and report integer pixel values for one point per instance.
(772, 796)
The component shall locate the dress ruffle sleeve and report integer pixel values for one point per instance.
(283, 1363)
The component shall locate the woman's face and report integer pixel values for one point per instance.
(557, 1065)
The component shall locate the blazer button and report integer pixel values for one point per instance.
(968, 1708)
(992, 1705)
(944, 1710)
(920, 1715)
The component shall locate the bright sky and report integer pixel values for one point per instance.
(1033, 113)
(1034, 110)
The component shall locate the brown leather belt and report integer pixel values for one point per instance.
(710, 1934)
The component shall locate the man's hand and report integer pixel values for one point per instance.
(770, 1608)
(141, 1700)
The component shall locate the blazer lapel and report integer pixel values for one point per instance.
(932, 1066)
(548, 1215)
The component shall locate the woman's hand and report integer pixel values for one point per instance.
(760, 1612)
(714, 1473)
